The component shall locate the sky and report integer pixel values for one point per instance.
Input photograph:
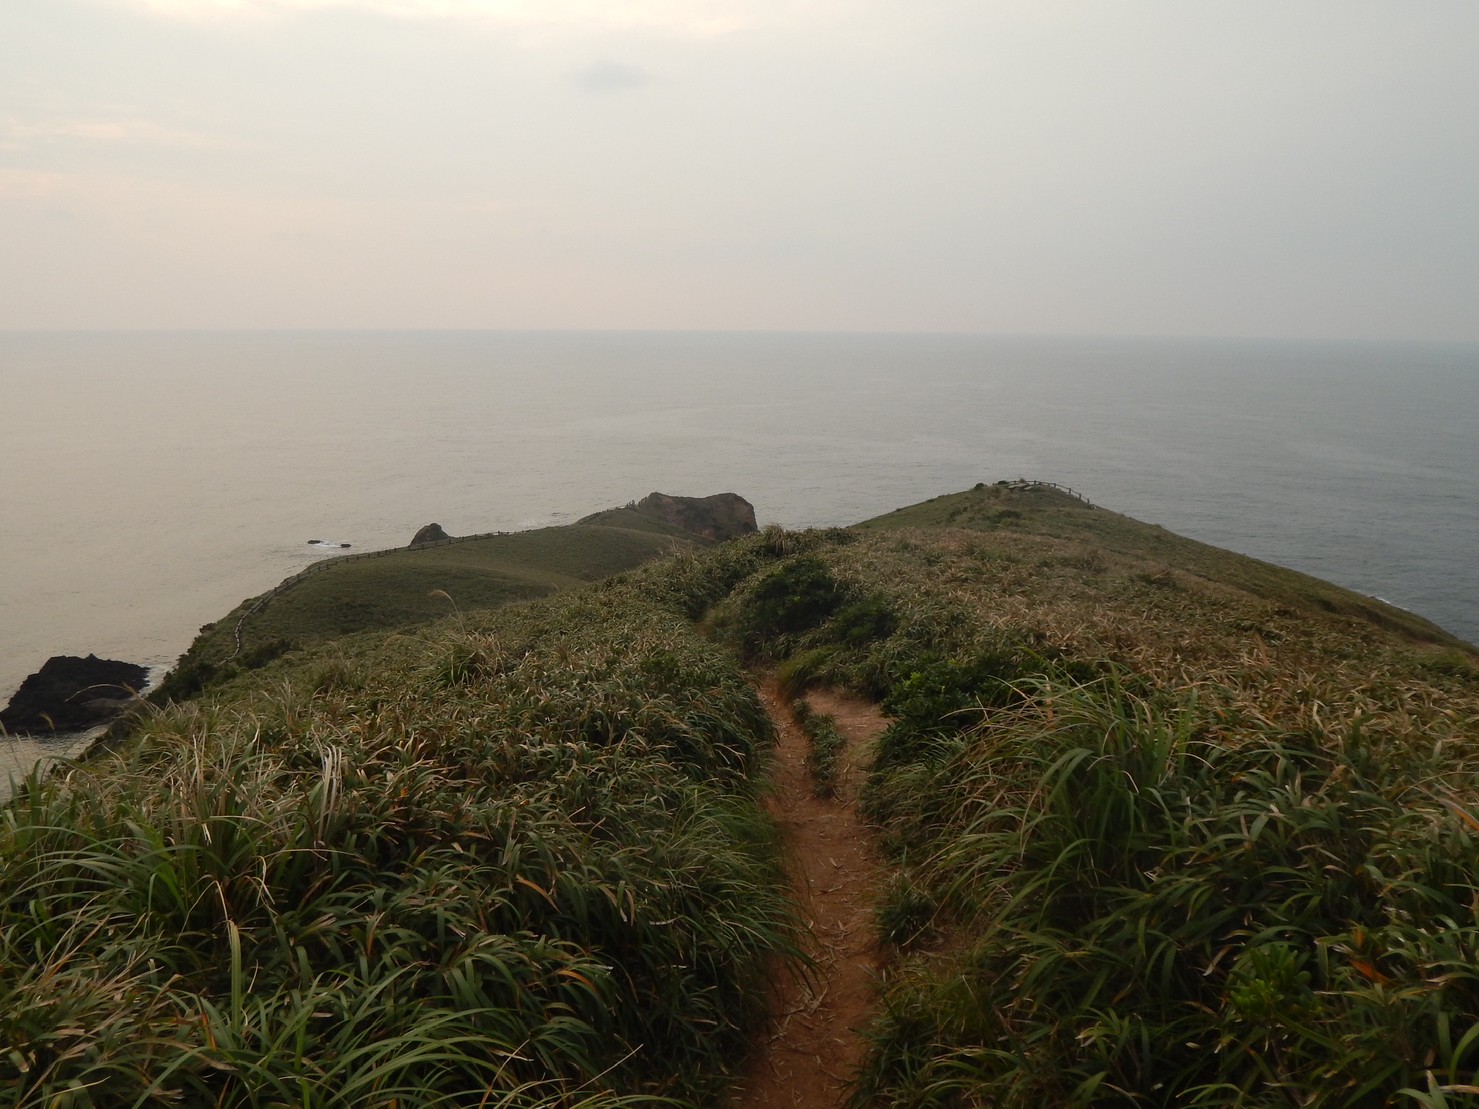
(1278, 168)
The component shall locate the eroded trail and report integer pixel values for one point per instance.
(814, 1045)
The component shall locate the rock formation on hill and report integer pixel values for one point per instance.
(722, 516)
(70, 694)
(431, 533)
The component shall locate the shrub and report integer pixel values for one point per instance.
(194, 673)
(862, 622)
(935, 695)
(794, 597)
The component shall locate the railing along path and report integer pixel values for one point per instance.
(1023, 483)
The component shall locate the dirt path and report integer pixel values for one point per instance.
(814, 1047)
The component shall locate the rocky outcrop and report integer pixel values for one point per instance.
(71, 694)
(431, 533)
(722, 516)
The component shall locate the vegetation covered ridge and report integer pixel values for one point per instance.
(1170, 826)
(1167, 826)
(512, 860)
(403, 587)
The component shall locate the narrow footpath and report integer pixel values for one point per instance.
(814, 1046)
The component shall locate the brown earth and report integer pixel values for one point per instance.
(814, 1046)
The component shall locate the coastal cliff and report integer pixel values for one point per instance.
(718, 517)
(1152, 818)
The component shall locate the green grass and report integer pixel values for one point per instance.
(825, 745)
(1152, 907)
(630, 519)
(1097, 537)
(416, 586)
(1171, 827)
(1186, 832)
(403, 588)
(514, 859)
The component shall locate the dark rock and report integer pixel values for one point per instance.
(70, 694)
(431, 533)
(722, 516)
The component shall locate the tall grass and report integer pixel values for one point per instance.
(1164, 912)
(1162, 840)
(512, 862)
(825, 745)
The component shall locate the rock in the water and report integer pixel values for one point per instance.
(431, 533)
(70, 694)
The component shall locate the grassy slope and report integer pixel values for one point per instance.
(629, 518)
(402, 588)
(1172, 827)
(1149, 551)
(513, 859)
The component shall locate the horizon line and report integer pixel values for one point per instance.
(746, 331)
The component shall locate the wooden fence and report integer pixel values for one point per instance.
(1025, 483)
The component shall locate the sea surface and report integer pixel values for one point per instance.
(151, 481)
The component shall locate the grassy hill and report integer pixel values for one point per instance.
(1167, 826)
(1147, 552)
(402, 588)
(1171, 826)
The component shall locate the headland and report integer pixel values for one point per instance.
(486, 819)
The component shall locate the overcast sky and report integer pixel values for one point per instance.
(1245, 167)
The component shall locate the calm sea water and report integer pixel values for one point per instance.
(152, 481)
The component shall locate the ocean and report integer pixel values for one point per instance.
(153, 480)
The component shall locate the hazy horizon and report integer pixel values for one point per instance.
(1019, 167)
(153, 480)
(960, 333)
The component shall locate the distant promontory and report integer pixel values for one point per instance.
(721, 516)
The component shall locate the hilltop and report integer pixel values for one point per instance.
(404, 587)
(1155, 824)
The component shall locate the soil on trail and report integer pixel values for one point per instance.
(814, 1046)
